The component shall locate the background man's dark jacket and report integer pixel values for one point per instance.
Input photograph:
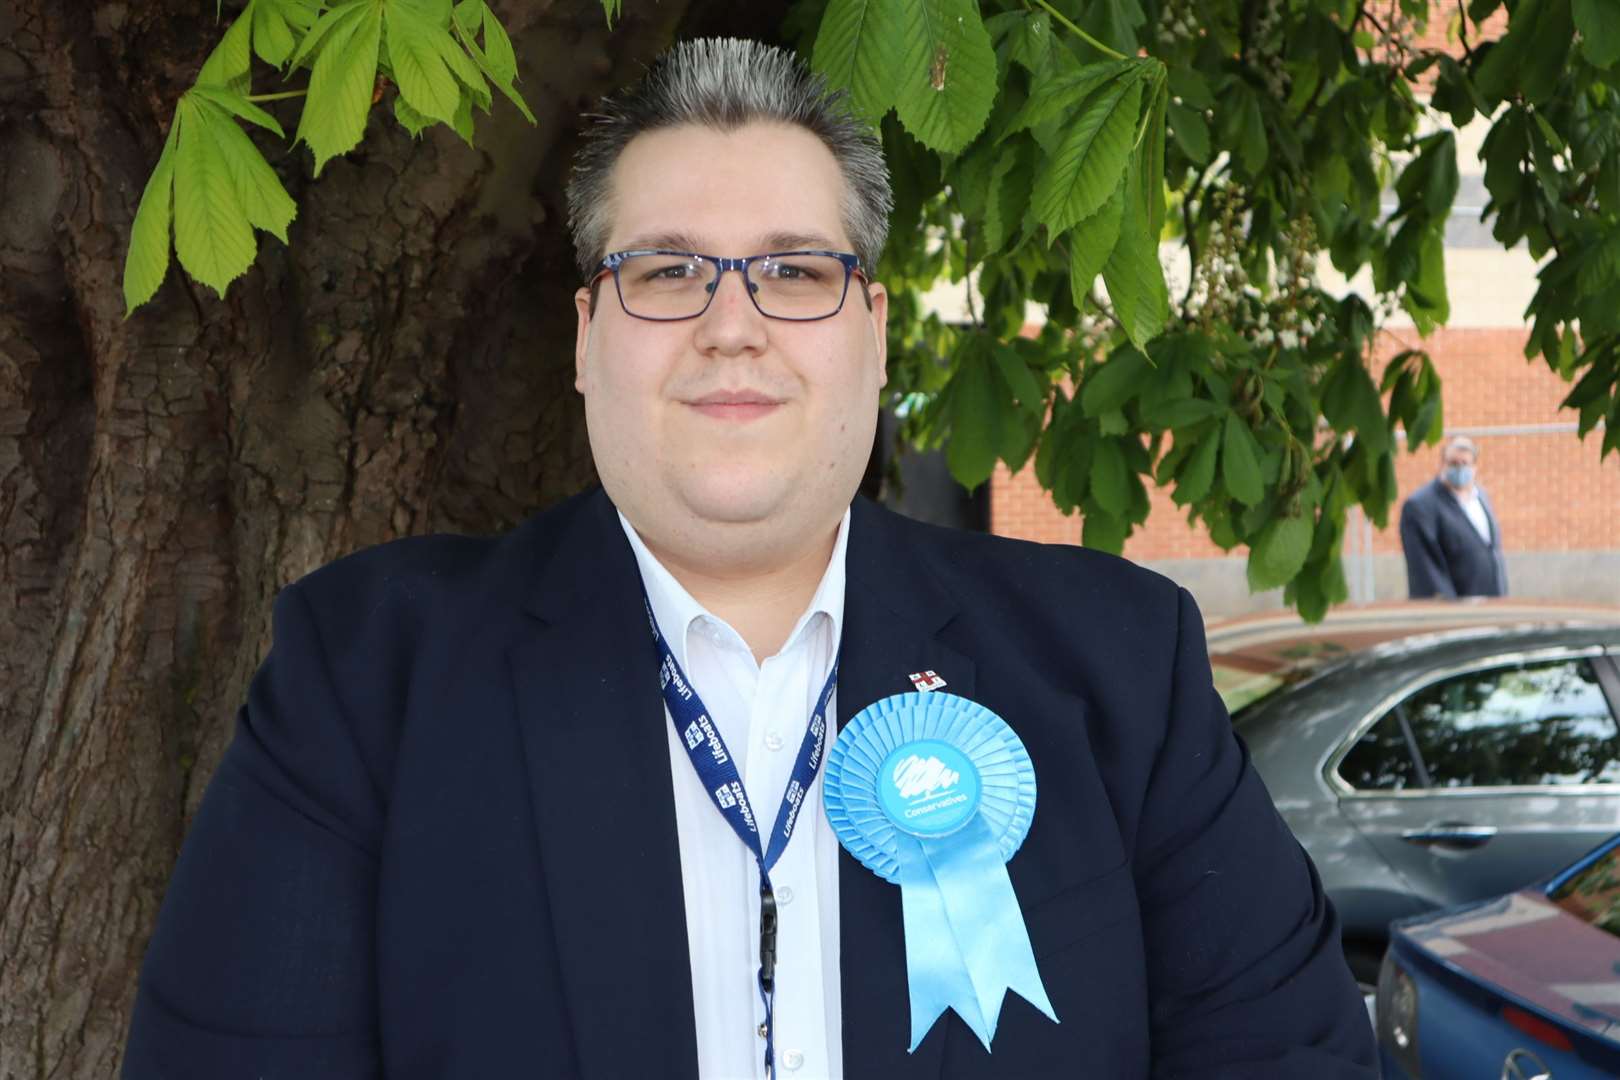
(1444, 554)
(442, 842)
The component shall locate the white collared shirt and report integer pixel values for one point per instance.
(1474, 507)
(762, 712)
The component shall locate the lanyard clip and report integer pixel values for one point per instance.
(767, 938)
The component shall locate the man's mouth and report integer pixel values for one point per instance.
(735, 404)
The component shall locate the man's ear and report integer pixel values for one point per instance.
(879, 315)
(582, 336)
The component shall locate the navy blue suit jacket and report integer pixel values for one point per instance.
(441, 843)
(1444, 554)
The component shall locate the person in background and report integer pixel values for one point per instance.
(1450, 533)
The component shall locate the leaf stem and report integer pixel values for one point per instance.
(276, 97)
(1073, 29)
(1147, 117)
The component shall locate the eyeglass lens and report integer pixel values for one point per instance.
(783, 286)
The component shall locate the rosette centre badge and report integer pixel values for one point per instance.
(935, 793)
(929, 788)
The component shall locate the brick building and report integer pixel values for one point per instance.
(1559, 505)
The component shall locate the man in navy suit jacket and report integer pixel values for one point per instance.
(1449, 531)
(441, 843)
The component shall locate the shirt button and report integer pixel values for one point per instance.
(792, 1059)
(784, 895)
(773, 741)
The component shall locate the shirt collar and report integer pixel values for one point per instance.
(674, 607)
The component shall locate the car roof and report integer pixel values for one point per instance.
(1419, 653)
(1324, 696)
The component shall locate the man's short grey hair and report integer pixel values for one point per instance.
(724, 83)
(1460, 442)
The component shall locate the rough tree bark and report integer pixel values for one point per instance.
(405, 366)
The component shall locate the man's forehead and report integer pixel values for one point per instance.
(685, 239)
(761, 186)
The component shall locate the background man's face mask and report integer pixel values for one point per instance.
(1459, 476)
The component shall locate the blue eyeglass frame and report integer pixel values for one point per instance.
(611, 264)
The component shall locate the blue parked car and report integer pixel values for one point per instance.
(1522, 987)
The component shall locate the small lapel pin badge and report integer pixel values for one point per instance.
(925, 681)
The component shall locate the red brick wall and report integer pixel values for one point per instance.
(1549, 488)
(1442, 31)
(1446, 31)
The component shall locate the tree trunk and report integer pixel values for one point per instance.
(405, 366)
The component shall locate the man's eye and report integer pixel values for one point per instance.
(675, 272)
(793, 272)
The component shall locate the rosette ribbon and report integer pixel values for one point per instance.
(935, 793)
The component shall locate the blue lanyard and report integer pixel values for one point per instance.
(718, 773)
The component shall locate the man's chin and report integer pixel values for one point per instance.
(740, 508)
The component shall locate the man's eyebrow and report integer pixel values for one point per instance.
(788, 241)
(683, 241)
(669, 241)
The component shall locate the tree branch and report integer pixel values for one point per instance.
(1193, 189)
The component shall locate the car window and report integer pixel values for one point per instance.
(1532, 724)
(1381, 759)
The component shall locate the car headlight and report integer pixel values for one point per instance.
(1397, 1012)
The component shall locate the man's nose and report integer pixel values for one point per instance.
(732, 323)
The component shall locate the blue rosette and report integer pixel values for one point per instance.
(934, 793)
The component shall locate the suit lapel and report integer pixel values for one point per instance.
(893, 613)
(592, 722)
(1459, 517)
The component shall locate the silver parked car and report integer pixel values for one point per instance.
(1430, 754)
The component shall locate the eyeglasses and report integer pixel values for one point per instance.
(667, 286)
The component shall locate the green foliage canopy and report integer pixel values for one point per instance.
(213, 184)
(1255, 140)
(1046, 155)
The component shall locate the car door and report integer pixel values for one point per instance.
(1482, 778)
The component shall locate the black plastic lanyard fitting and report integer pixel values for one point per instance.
(767, 938)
